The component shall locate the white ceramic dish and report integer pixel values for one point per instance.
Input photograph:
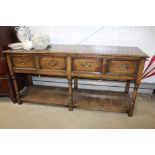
(40, 41)
(27, 45)
(16, 46)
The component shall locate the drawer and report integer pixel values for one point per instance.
(23, 61)
(87, 64)
(122, 67)
(53, 63)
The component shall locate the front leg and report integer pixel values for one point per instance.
(133, 100)
(13, 78)
(70, 95)
(16, 90)
(69, 77)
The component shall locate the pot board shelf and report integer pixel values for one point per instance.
(82, 98)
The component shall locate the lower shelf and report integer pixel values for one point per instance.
(102, 100)
(46, 95)
(84, 99)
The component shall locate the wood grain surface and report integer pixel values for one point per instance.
(73, 62)
(89, 50)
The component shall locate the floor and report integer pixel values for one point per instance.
(40, 116)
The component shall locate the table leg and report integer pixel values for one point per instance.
(76, 83)
(30, 82)
(69, 77)
(11, 94)
(14, 79)
(17, 90)
(127, 86)
(70, 95)
(133, 99)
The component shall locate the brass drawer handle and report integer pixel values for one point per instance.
(123, 66)
(22, 61)
(52, 63)
(86, 64)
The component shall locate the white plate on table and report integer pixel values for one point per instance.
(16, 46)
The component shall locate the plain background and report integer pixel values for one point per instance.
(77, 13)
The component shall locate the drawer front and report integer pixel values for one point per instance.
(24, 61)
(53, 63)
(86, 64)
(122, 67)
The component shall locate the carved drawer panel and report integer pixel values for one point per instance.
(86, 64)
(53, 63)
(23, 61)
(122, 67)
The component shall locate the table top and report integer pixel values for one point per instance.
(88, 49)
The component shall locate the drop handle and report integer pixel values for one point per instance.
(22, 61)
(86, 64)
(123, 66)
(52, 63)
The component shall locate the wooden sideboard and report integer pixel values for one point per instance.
(75, 61)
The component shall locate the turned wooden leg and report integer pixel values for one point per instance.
(30, 83)
(11, 93)
(16, 90)
(133, 100)
(70, 95)
(14, 79)
(76, 83)
(127, 86)
(69, 77)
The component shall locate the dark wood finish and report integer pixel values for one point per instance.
(127, 86)
(8, 35)
(3, 70)
(30, 82)
(4, 89)
(76, 83)
(73, 62)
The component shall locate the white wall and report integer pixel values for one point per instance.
(142, 37)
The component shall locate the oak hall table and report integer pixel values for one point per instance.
(79, 61)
